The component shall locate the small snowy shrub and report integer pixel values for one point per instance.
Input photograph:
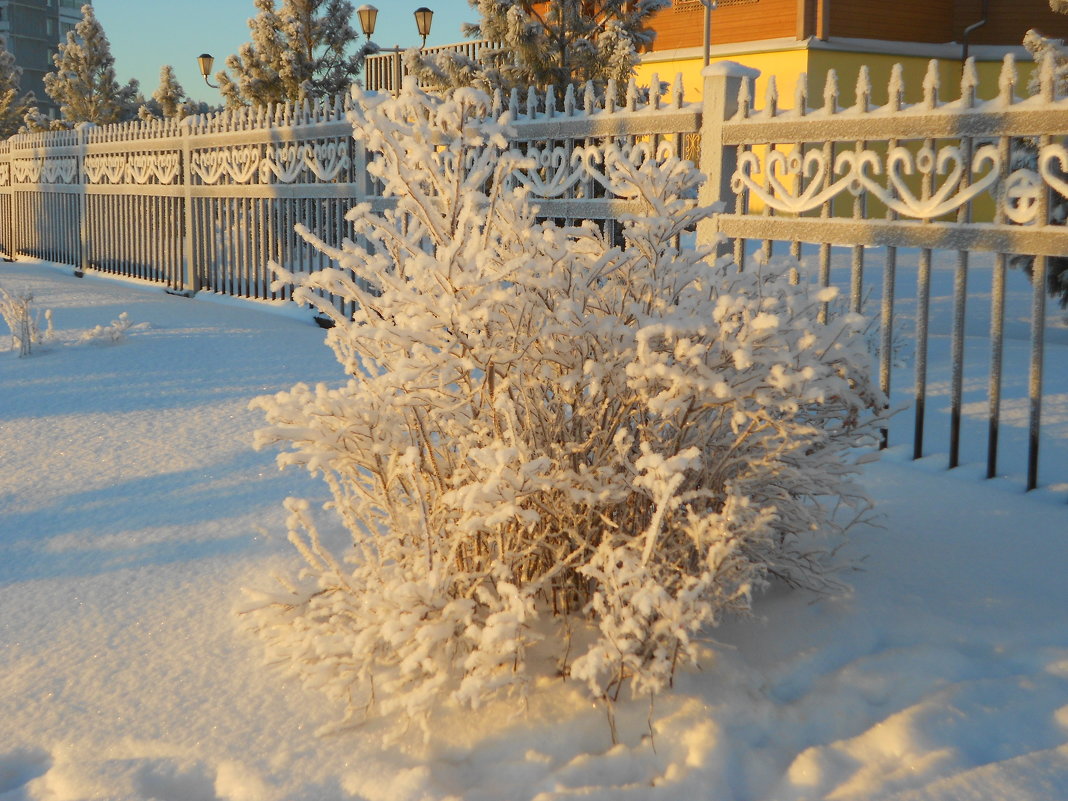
(23, 321)
(544, 435)
(112, 333)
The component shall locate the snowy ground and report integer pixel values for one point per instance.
(132, 510)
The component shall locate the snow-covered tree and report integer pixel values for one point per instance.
(1042, 48)
(545, 437)
(13, 104)
(299, 49)
(169, 94)
(83, 83)
(559, 42)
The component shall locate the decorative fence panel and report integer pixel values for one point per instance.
(964, 177)
(872, 198)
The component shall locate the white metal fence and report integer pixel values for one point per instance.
(854, 193)
(962, 176)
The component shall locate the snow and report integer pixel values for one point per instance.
(133, 509)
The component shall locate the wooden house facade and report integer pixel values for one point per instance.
(786, 38)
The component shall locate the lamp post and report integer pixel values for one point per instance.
(710, 6)
(368, 15)
(205, 60)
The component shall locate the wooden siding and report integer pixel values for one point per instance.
(929, 21)
(732, 21)
(1007, 22)
(681, 25)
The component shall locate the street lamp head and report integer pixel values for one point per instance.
(423, 18)
(205, 60)
(368, 14)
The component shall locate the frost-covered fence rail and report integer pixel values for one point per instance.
(565, 134)
(857, 191)
(207, 203)
(203, 204)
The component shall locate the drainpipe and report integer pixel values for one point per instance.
(972, 27)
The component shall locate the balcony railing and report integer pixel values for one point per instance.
(385, 71)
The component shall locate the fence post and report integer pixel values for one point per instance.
(722, 82)
(8, 221)
(83, 200)
(189, 278)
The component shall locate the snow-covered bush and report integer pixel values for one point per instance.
(112, 333)
(23, 321)
(543, 435)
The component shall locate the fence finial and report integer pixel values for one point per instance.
(932, 85)
(513, 102)
(1007, 81)
(745, 101)
(589, 98)
(771, 98)
(632, 94)
(654, 91)
(610, 96)
(532, 102)
(498, 103)
(569, 101)
(677, 91)
(863, 89)
(830, 93)
(550, 101)
(1046, 73)
(969, 80)
(801, 95)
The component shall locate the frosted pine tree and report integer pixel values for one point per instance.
(83, 83)
(13, 104)
(558, 43)
(543, 442)
(300, 49)
(169, 95)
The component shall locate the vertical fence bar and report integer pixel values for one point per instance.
(997, 339)
(1034, 377)
(923, 305)
(960, 299)
(960, 289)
(886, 334)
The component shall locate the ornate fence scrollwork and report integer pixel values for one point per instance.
(796, 183)
(325, 160)
(553, 172)
(238, 163)
(54, 170)
(134, 168)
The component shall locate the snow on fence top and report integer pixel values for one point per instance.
(946, 162)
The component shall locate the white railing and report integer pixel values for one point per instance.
(205, 205)
(960, 177)
(385, 71)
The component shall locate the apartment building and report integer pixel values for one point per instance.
(32, 30)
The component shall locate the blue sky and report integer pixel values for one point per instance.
(146, 34)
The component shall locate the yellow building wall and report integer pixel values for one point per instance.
(788, 65)
(785, 65)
